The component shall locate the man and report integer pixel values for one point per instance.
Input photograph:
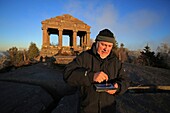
(97, 65)
(122, 53)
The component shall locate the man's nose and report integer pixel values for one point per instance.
(104, 50)
(105, 47)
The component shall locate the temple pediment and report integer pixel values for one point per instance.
(66, 21)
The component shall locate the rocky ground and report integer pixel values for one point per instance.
(39, 88)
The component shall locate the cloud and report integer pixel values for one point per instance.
(143, 18)
(138, 23)
(106, 15)
(73, 6)
(98, 15)
(130, 28)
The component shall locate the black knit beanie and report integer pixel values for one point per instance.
(105, 35)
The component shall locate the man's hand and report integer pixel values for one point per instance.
(113, 91)
(100, 77)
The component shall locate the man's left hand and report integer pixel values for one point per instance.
(113, 91)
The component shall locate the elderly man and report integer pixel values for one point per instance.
(97, 65)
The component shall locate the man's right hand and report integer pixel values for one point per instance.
(100, 77)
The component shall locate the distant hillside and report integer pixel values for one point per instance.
(4, 54)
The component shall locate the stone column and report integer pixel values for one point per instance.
(74, 39)
(46, 39)
(44, 36)
(85, 40)
(60, 37)
(88, 38)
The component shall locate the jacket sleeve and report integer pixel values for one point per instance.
(75, 73)
(122, 79)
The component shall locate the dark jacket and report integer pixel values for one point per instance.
(80, 72)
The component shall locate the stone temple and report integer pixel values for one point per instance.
(60, 26)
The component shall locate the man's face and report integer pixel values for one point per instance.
(104, 48)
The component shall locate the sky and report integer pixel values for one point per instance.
(135, 23)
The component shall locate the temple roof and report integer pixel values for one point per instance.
(65, 19)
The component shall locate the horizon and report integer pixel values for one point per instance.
(134, 23)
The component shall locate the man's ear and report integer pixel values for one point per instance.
(97, 45)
